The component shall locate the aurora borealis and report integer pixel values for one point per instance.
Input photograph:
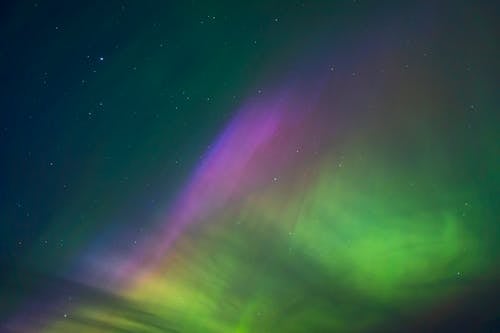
(288, 166)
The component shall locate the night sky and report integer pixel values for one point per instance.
(249, 167)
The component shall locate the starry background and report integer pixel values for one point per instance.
(294, 166)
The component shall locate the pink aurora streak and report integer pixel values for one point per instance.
(248, 154)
